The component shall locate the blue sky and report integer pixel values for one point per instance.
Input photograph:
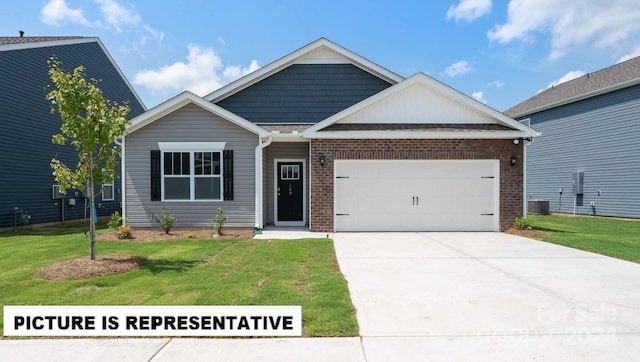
(499, 52)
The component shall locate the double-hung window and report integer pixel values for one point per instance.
(192, 171)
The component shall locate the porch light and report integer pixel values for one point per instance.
(514, 159)
(322, 159)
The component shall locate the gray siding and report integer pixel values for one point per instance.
(304, 93)
(27, 126)
(282, 150)
(598, 136)
(190, 124)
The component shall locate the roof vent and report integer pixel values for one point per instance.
(21, 33)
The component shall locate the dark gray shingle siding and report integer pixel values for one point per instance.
(27, 126)
(304, 93)
(598, 136)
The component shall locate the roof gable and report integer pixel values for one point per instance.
(435, 109)
(184, 99)
(321, 51)
(618, 76)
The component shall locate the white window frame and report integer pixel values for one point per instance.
(113, 191)
(192, 148)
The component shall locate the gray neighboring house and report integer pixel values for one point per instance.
(588, 160)
(27, 126)
(327, 139)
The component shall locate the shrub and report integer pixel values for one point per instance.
(190, 235)
(165, 219)
(124, 232)
(115, 221)
(218, 222)
(522, 223)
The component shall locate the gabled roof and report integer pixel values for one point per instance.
(321, 51)
(31, 42)
(182, 100)
(618, 76)
(419, 107)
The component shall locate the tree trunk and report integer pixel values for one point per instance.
(92, 217)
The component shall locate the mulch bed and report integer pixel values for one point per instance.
(85, 268)
(152, 234)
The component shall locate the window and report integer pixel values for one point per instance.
(107, 192)
(290, 172)
(192, 175)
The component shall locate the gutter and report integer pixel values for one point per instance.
(259, 201)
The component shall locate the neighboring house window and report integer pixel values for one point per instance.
(107, 192)
(192, 174)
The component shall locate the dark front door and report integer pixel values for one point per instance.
(290, 191)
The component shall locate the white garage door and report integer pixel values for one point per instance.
(416, 195)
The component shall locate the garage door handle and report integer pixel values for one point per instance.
(417, 200)
(486, 214)
(413, 203)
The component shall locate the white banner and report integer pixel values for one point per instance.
(153, 321)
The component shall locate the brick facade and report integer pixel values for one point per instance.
(321, 189)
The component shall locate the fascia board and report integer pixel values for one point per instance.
(418, 135)
(289, 59)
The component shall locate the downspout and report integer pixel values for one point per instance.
(259, 199)
(122, 175)
(527, 142)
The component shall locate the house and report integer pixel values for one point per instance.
(588, 161)
(326, 138)
(27, 184)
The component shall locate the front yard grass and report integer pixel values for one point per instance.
(613, 237)
(188, 272)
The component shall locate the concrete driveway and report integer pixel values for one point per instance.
(488, 296)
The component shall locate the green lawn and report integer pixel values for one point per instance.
(189, 272)
(612, 237)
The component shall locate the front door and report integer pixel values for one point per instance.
(290, 192)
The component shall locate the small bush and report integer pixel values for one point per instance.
(218, 222)
(190, 235)
(165, 219)
(522, 223)
(124, 232)
(115, 221)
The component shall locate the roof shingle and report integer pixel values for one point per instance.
(4, 40)
(579, 88)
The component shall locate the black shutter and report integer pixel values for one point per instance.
(227, 157)
(156, 181)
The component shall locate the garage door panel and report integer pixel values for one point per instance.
(416, 195)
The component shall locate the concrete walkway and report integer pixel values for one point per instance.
(430, 297)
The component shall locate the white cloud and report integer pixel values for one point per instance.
(201, 74)
(113, 16)
(458, 68)
(57, 12)
(496, 83)
(596, 23)
(469, 10)
(479, 96)
(116, 15)
(221, 40)
(565, 78)
(633, 54)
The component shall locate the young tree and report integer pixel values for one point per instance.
(91, 124)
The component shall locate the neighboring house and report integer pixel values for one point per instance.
(326, 138)
(591, 132)
(28, 125)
